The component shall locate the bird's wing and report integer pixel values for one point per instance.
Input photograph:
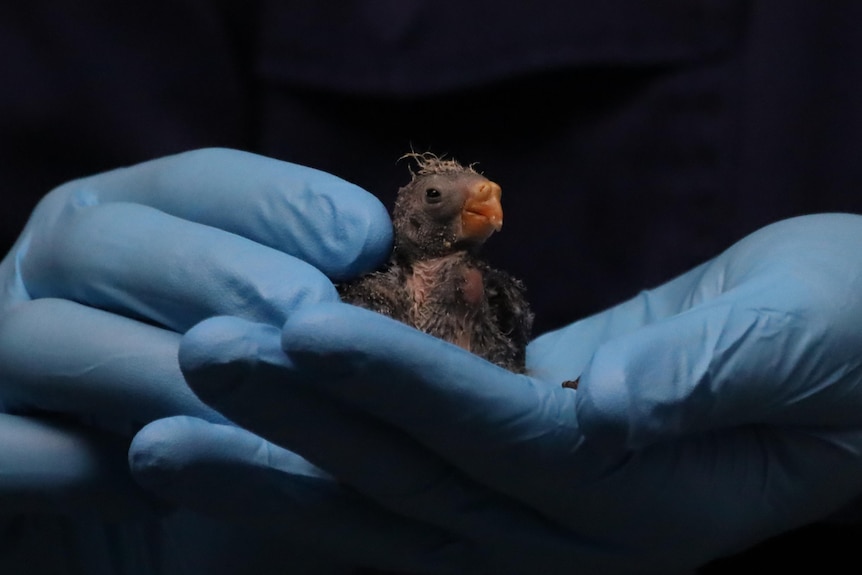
(383, 292)
(508, 303)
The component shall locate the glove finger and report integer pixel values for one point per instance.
(229, 473)
(187, 272)
(335, 226)
(415, 381)
(753, 355)
(60, 356)
(240, 369)
(562, 354)
(54, 467)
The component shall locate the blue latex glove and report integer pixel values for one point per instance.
(713, 412)
(107, 274)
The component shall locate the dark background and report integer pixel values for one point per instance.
(633, 140)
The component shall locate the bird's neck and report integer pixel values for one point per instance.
(407, 253)
(434, 260)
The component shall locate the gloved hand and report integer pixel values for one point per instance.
(713, 412)
(107, 274)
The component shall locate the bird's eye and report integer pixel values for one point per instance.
(432, 195)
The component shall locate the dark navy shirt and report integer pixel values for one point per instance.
(633, 140)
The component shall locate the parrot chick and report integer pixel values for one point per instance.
(434, 280)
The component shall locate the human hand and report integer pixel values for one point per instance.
(133, 257)
(107, 274)
(713, 412)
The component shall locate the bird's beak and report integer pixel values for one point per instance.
(482, 214)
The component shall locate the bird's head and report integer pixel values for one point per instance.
(446, 207)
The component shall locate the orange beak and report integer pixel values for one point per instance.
(482, 214)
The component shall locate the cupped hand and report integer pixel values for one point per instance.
(711, 413)
(112, 268)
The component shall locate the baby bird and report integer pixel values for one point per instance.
(434, 280)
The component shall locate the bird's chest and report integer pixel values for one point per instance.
(446, 297)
